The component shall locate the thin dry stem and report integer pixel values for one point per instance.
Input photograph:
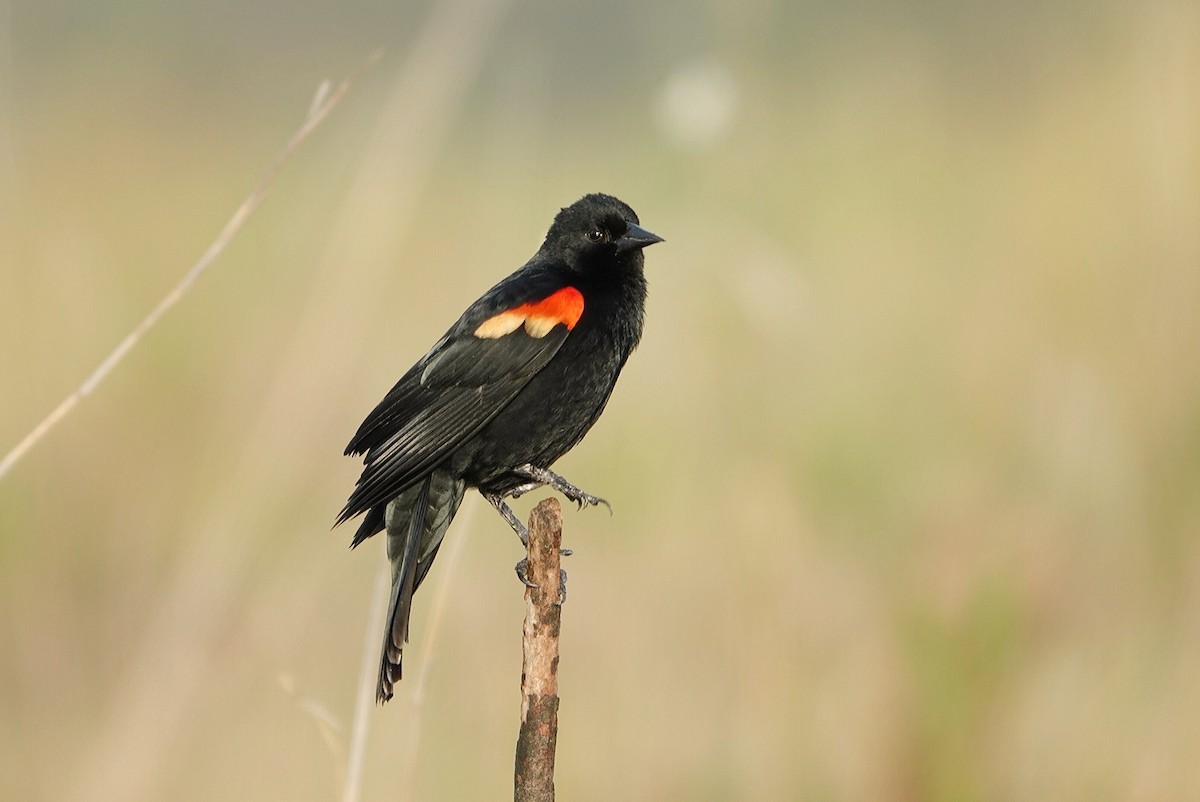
(412, 744)
(321, 108)
(165, 674)
(365, 697)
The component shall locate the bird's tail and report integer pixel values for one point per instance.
(416, 523)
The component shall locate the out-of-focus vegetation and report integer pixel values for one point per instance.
(906, 471)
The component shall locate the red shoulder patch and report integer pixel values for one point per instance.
(538, 317)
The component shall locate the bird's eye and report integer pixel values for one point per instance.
(595, 235)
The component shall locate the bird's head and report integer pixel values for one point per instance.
(598, 233)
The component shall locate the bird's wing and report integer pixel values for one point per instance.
(472, 373)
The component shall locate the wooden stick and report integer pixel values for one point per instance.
(534, 776)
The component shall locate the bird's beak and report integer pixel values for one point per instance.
(636, 237)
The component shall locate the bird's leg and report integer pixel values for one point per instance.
(522, 567)
(508, 515)
(521, 490)
(515, 522)
(544, 477)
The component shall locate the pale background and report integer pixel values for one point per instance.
(906, 471)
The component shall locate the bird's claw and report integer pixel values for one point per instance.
(588, 500)
(541, 476)
(522, 569)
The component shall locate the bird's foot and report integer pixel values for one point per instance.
(522, 569)
(541, 476)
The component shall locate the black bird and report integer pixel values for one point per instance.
(510, 388)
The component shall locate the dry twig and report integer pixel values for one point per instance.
(534, 775)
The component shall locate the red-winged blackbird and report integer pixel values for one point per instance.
(510, 388)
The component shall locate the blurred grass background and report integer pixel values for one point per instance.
(906, 471)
